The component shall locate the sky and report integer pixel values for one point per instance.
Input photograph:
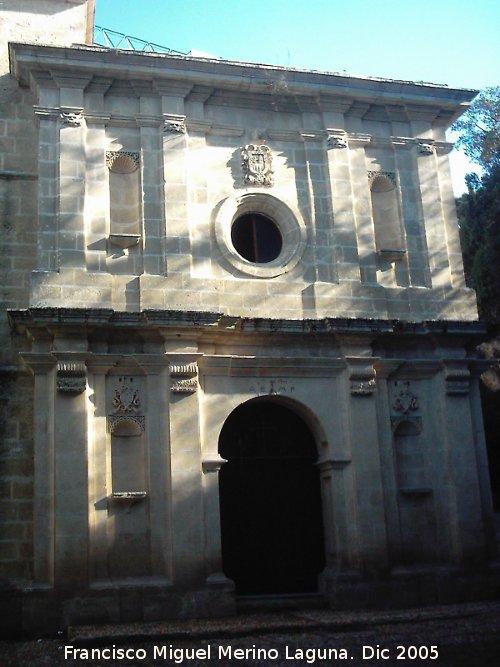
(453, 42)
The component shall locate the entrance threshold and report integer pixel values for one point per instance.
(250, 603)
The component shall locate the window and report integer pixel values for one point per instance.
(259, 235)
(256, 238)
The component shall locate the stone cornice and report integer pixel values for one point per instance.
(178, 75)
(82, 319)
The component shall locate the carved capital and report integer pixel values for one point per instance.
(71, 118)
(425, 148)
(362, 378)
(457, 381)
(71, 377)
(174, 123)
(183, 378)
(184, 386)
(336, 141)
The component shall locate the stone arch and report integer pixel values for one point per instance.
(270, 499)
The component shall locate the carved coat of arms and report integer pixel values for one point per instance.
(404, 399)
(126, 397)
(257, 165)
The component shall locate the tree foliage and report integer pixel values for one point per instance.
(479, 130)
(479, 219)
(479, 209)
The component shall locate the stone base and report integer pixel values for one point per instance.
(412, 587)
(41, 612)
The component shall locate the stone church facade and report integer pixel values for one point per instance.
(238, 353)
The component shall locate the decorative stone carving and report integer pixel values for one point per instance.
(360, 388)
(403, 399)
(425, 149)
(387, 174)
(183, 378)
(336, 141)
(183, 369)
(71, 118)
(363, 380)
(126, 421)
(174, 123)
(256, 162)
(457, 381)
(71, 377)
(126, 425)
(126, 398)
(184, 386)
(272, 387)
(122, 162)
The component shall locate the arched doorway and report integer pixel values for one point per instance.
(271, 518)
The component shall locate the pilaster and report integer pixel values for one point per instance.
(372, 537)
(97, 223)
(100, 471)
(157, 453)
(462, 465)
(365, 233)
(48, 188)
(421, 123)
(198, 190)
(43, 367)
(71, 486)
(344, 232)
(339, 515)
(412, 214)
(178, 243)
(153, 196)
(213, 551)
(71, 241)
(186, 483)
(325, 261)
(449, 214)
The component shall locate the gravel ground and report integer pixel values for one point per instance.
(463, 635)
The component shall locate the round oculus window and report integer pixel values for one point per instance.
(256, 238)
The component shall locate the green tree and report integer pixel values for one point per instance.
(479, 209)
(479, 220)
(479, 130)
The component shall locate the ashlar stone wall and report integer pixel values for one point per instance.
(339, 175)
(37, 21)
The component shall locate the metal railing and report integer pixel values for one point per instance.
(118, 40)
